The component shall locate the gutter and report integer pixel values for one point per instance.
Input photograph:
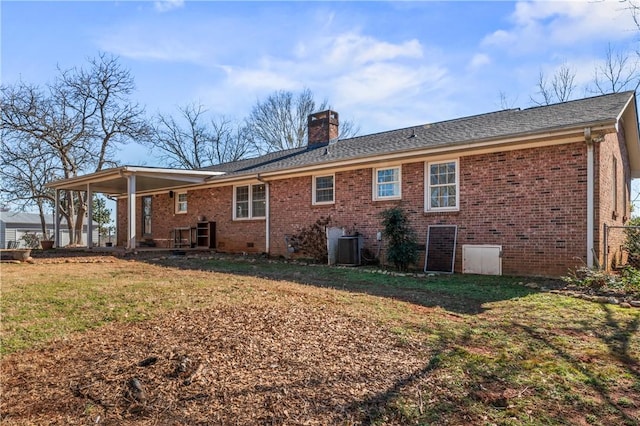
(590, 196)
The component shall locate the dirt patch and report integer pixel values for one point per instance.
(230, 365)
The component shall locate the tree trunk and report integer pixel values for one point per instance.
(79, 219)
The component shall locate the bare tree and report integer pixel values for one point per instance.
(505, 102)
(618, 73)
(77, 122)
(189, 141)
(559, 89)
(280, 121)
(25, 167)
(634, 8)
(229, 141)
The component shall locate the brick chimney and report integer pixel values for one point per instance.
(322, 126)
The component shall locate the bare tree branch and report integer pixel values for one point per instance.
(559, 90)
(77, 122)
(618, 73)
(190, 141)
(280, 121)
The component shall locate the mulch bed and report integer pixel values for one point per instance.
(229, 365)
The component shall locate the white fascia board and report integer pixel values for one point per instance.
(158, 171)
(629, 120)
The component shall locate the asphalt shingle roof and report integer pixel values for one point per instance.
(457, 132)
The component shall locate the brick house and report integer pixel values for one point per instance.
(538, 183)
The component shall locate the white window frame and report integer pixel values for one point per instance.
(375, 185)
(428, 186)
(178, 204)
(333, 189)
(250, 207)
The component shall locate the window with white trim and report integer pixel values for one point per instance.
(442, 184)
(181, 202)
(387, 183)
(323, 189)
(249, 201)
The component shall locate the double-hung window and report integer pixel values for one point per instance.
(387, 183)
(250, 201)
(442, 185)
(181, 202)
(323, 189)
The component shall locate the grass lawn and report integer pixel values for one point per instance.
(249, 341)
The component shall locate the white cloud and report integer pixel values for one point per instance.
(167, 5)
(357, 49)
(479, 60)
(380, 83)
(544, 24)
(260, 80)
(132, 44)
(354, 72)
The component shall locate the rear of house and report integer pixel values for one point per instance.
(529, 191)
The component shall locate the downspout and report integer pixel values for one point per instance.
(590, 196)
(267, 215)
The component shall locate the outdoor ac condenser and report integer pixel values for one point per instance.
(348, 251)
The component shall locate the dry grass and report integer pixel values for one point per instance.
(172, 341)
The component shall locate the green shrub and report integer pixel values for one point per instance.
(632, 242)
(592, 278)
(402, 249)
(630, 278)
(627, 281)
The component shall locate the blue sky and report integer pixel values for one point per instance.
(383, 65)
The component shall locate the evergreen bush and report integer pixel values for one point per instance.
(402, 249)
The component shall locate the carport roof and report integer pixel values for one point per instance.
(148, 179)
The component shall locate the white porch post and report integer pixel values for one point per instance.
(56, 220)
(89, 216)
(131, 211)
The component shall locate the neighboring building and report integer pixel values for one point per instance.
(14, 226)
(528, 189)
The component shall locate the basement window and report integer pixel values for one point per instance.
(249, 202)
(442, 186)
(387, 183)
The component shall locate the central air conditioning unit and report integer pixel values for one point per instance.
(348, 251)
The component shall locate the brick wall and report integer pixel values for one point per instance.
(530, 201)
(212, 203)
(612, 147)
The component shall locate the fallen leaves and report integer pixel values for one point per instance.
(229, 365)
